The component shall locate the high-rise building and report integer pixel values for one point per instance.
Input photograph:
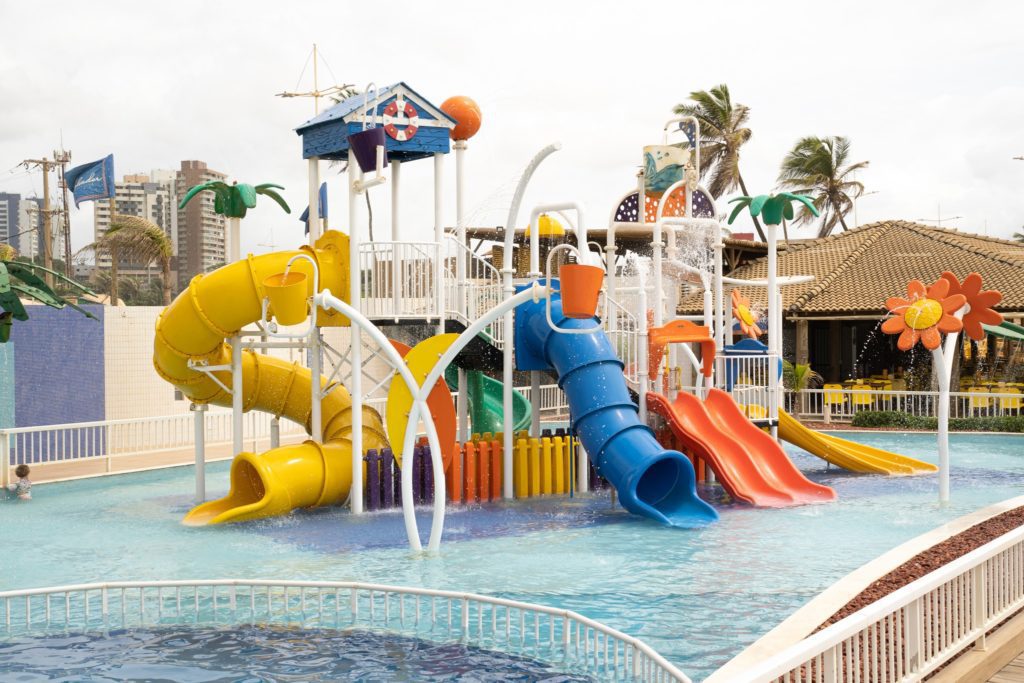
(200, 230)
(30, 227)
(9, 217)
(152, 197)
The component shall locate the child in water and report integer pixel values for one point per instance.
(23, 487)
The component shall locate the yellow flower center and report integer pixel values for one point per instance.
(744, 315)
(923, 313)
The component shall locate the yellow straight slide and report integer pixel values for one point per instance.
(847, 454)
(194, 328)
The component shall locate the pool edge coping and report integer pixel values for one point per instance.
(815, 612)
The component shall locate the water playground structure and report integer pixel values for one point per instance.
(637, 426)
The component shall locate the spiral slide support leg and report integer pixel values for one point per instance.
(651, 481)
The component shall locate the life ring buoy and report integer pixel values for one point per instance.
(399, 112)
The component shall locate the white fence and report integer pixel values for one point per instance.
(913, 631)
(562, 637)
(842, 404)
(398, 280)
(752, 380)
(107, 441)
(478, 291)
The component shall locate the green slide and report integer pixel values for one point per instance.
(486, 405)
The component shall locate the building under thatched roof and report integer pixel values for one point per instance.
(832, 321)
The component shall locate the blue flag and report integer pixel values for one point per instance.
(323, 207)
(94, 180)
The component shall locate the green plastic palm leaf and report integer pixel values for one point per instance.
(772, 208)
(233, 201)
(267, 189)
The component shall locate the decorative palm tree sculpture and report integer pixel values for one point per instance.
(19, 278)
(232, 202)
(946, 307)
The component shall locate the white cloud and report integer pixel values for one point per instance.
(928, 92)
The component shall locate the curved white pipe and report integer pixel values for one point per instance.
(586, 258)
(326, 300)
(508, 290)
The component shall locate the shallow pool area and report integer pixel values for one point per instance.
(219, 654)
(696, 596)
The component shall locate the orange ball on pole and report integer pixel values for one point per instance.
(467, 116)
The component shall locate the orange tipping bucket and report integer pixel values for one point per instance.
(287, 294)
(581, 286)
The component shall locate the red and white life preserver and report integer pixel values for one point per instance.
(398, 113)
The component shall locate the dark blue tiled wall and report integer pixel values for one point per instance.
(58, 367)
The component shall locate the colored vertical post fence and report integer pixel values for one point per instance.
(469, 474)
(417, 474)
(387, 478)
(373, 480)
(521, 469)
(497, 470)
(558, 463)
(484, 472)
(534, 468)
(454, 476)
(546, 473)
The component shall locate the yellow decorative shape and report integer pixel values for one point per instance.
(420, 361)
(547, 227)
(744, 314)
(923, 313)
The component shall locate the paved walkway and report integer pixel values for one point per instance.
(1012, 672)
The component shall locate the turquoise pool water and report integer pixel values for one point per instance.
(697, 596)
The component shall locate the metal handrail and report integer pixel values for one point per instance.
(568, 637)
(914, 630)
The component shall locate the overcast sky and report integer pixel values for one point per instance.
(931, 93)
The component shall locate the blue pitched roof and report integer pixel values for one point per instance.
(351, 104)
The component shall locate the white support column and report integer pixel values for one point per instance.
(198, 419)
(720, 314)
(439, 237)
(314, 199)
(234, 239)
(462, 293)
(396, 173)
(774, 312)
(237, 423)
(643, 362)
(356, 350)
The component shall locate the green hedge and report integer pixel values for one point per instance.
(893, 418)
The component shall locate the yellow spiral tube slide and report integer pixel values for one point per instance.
(194, 328)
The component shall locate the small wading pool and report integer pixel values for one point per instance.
(249, 653)
(698, 597)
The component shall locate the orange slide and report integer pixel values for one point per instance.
(751, 466)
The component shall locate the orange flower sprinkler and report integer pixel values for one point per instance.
(741, 311)
(946, 307)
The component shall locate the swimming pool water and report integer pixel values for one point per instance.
(219, 655)
(697, 596)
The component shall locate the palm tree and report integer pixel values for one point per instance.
(722, 133)
(135, 239)
(17, 279)
(1018, 236)
(820, 167)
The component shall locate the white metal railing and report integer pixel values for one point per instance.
(478, 291)
(559, 636)
(399, 279)
(111, 439)
(551, 398)
(623, 331)
(911, 632)
(752, 380)
(842, 404)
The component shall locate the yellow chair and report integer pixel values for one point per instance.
(833, 396)
(863, 397)
(1012, 401)
(979, 402)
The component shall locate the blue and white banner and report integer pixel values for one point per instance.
(323, 207)
(94, 180)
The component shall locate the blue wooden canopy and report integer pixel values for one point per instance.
(326, 135)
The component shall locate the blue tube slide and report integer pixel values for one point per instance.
(651, 481)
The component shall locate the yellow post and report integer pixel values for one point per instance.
(534, 467)
(558, 463)
(520, 465)
(546, 474)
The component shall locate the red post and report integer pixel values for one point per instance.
(497, 470)
(469, 489)
(484, 472)
(454, 478)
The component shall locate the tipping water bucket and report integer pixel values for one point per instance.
(287, 294)
(364, 144)
(581, 286)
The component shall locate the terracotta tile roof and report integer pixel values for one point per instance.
(857, 270)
